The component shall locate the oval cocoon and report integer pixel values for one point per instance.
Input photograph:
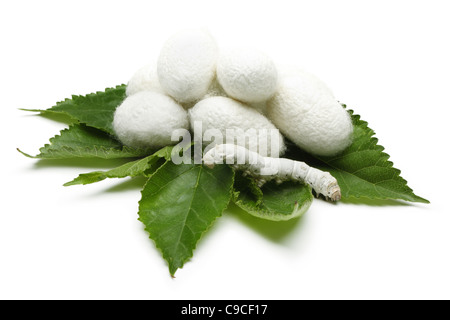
(144, 79)
(187, 65)
(310, 116)
(286, 71)
(247, 74)
(250, 128)
(147, 119)
(214, 90)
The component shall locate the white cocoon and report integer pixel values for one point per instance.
(187, 65)
(247, 74)
(144, 79)
(251, 129)
(147, 119)
(309, 115)
(214, 90)
(286, 71)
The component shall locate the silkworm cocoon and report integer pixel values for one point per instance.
(286, 71)
(259, 106)
(187, 65)
(144, 79)
(310, 116)
(222, 113)
(247, 74)
(214, 90)
(147, 119)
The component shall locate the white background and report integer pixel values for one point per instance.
(387, 60)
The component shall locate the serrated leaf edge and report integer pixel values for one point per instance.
(102, 175)
(191, 252)
(71, 100)
(127, 152)
(371, 133)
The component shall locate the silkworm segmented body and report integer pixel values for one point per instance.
(266, 168)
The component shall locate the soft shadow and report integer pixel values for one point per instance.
(54, 116)
(135, 183)
(82, 163)
(276, 231)
(375, 202)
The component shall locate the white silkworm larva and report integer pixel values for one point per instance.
(266, 168)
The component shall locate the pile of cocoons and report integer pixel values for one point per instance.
(194, 81)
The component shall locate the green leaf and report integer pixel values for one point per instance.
(276, 202)
(363, 169)
(179, 203)
(95, 109)
(80, 141)
(144, 166)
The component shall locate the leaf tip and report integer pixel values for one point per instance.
(172, 269)
(26, 154)
(30, 110)
(422, 200)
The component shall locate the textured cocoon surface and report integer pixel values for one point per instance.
(214, 90)
(310, 116)
(144, 79)
(222, 113)
(286, 71)
(147, 119)
(187, 65)
(247, 74)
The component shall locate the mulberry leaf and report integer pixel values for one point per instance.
(363, 169)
